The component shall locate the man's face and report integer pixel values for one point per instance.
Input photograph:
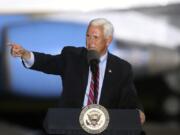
(95, 39)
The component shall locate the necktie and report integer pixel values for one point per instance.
(94, 86)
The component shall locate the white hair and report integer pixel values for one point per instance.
(107, 25)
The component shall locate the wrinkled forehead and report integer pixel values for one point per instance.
(95, 30)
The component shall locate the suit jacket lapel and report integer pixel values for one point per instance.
(106, 88)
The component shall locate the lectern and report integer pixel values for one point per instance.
(65, 121)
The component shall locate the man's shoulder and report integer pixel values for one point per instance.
(73, 49)
(119, 61)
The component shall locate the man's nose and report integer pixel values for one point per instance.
(91, 39)
(92, 45)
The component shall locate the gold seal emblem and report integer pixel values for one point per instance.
(94, 119)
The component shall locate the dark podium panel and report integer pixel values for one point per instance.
(66, 121)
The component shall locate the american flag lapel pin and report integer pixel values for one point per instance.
(110, 71)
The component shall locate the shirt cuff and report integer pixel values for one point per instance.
(30, 62)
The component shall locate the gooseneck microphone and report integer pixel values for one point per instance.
(93, 60)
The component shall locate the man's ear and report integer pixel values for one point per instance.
(109, 40)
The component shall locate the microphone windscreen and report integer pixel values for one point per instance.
(93, 55)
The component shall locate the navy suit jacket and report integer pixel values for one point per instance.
(118, 90)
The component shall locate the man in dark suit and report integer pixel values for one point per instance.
(115, 88)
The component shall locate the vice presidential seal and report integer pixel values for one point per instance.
(94, 119)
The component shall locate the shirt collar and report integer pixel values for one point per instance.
(104, 57)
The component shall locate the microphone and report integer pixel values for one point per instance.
(93, 59)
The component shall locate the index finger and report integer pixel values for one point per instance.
(12, 44)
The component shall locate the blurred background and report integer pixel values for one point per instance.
(147, 34)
